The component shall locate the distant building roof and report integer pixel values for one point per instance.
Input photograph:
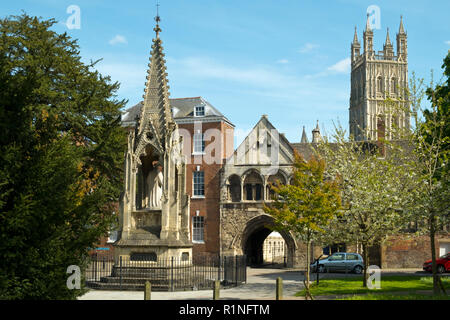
(305, 149)
(182, 111)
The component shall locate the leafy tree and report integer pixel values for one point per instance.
(430, 158)
(438, 118)
(61, 153)
(374, 200)
(307, 205)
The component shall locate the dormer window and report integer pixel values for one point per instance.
(200, 111)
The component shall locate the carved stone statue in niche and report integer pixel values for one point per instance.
(154, 186)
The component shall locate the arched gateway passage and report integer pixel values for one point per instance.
(255, 232)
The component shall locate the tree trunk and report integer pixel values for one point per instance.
(308, 246)
(432, 226)
(365, 253)
(308, 268)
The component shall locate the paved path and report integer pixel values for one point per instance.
(260, 286)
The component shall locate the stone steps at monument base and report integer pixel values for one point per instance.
(134, 272)
(123, 287)
(162, 281)
(141, 287)
(154, 281)
(158, 284)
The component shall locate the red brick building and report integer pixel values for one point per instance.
(208, 138)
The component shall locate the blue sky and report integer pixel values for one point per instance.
(287, 59)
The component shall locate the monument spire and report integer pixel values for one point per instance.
(157, 29)
(156, 110)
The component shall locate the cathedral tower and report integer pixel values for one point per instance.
(376, 76)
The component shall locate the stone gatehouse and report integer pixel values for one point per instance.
(264, 158)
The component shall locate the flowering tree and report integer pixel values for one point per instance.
(374, 192)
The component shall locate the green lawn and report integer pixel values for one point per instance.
(385, 296)
(389, 284)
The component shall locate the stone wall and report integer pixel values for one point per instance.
(409, 252)
(239, 220)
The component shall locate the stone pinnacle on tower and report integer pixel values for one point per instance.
(388, 40)
(316, 134)
(402, 46)
(368, 28)
(355, 37)
(401, 29)
(388, 47)
(368, 38)
(355, 47)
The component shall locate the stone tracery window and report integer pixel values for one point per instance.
(273, 180)
(379, 84)
(394, 85)
(253, 187)
(234, 189)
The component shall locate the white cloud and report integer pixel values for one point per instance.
(267, 84)
(258, 77)
(130, 75)
(447, 42)
(342, 66)
(283, 61)
(118, 39)
(308, 47)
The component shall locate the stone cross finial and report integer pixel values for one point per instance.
(157, 29)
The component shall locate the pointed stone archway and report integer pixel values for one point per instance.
(255, 232)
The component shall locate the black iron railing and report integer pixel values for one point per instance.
(172, 274)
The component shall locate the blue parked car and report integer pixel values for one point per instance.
(340, 261)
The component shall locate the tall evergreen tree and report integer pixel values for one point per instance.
(61, 155)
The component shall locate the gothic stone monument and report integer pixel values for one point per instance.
(154, 206)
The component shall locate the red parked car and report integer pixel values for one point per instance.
(443, 264)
